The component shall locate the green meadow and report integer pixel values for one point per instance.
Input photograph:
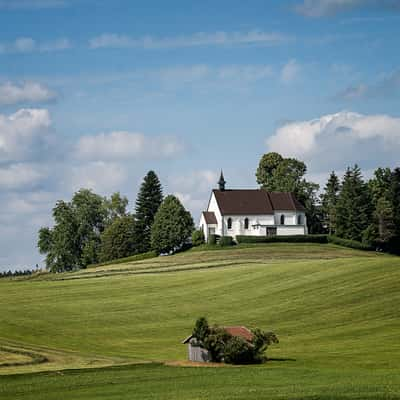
(115, 331)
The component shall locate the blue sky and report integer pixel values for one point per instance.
(95, 93)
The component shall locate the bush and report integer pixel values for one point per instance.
(198, 237)
(238, 351)
(353, 244)
(226, 241)
(212, 239)
(284, 239)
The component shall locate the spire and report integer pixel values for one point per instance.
(221, 182)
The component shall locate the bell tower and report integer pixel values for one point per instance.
(221, 182)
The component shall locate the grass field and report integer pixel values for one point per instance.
(108, 331)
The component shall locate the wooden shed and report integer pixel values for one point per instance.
(199, 354)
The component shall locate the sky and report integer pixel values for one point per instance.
(95, 93)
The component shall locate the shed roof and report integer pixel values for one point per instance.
(240, 331)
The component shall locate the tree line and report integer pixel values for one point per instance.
(90, 228)
(350, 208)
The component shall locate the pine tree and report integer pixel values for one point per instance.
(329, 199)
(148, 201)
(354, 208)
(172, 226)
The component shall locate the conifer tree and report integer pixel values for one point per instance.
(354, 208)
(329, 199)
(148, 201)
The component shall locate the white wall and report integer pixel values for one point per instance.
(290, 228)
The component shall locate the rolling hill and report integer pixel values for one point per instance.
(115, 331)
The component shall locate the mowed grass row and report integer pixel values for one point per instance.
(337, 319)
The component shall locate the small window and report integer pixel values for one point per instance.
(229, 223)
(282, 219)
(246, 223)
(299, 220)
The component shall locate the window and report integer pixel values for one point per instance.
(229, 223)
(246, 223)
(282, 219)
(271, 231)
(299, 220)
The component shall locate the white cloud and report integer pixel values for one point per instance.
(24, 135)
(30, 45)
(101, 177)
(193, 189)
(290, 71)
(320, 8)
(26, 92)
(126, 145)
(197, 39)
(337, 140)
(20, 176)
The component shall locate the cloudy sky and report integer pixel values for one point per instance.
(94, 93)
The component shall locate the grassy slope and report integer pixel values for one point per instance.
(335, 311)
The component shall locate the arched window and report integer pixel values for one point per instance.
(246, 223)
(299, 220)
(229, 223)
(282, 219)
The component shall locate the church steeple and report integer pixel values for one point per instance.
(221, 182)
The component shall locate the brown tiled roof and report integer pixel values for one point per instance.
(285, 201)
(241, 331)
(210, 217)
(255, 201)
(243, 202)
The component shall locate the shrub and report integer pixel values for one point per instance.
(226, 241)
(284, 239)
(238, 351)
(212, 239)
(353, 244)
(197, 237)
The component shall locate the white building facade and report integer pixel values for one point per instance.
(252, 213)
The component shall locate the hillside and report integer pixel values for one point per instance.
(334, 310)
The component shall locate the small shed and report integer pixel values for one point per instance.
(199, 354)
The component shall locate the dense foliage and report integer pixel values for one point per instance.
(147, 203)
(223, 347)
(198, 237)
(172, 226)
(278, 174)
(353, 244)
(74, 240)
(118, 240)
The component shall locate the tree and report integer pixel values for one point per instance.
(278, 174)
(118, 239)
(394, 198)
(148, 201)
(115, 207)
(74, 240)
(328, 202)
(354, 207)
(172, 226)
